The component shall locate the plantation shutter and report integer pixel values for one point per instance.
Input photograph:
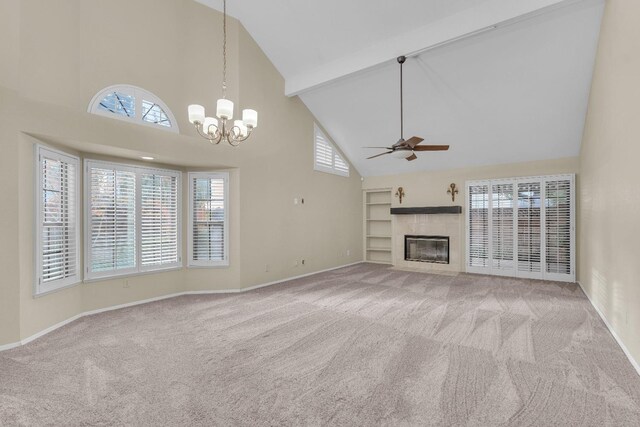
(340, 165)
(112, 220)
(529, 229)
(208, 216)
(323, 151)
(58, 261)
(502, 227)
(326, 158)
(159, 219)
(523, 227)
(478, 227)
(558, 227)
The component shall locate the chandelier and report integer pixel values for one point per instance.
(216, 130)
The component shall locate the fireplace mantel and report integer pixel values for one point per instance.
(427, 210)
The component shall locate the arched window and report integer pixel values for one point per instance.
(131, 103)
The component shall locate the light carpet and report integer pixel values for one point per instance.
(363, 345)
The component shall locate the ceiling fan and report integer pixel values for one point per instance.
(410, 146)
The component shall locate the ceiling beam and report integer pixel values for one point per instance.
(485, 16)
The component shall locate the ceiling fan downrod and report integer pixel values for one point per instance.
(407, 148)
(401, 60)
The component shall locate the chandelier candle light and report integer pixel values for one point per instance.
(215, 130)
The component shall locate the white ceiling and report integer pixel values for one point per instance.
(515, 93)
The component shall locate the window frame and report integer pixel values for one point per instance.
(40, 288)
(334, 152)
(138, 269)
(139, 94)
(516, 271)
(191, 263)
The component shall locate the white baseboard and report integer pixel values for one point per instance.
(9, 346)
(634, 363)
(263, 285)
(50, 329)
(148, 300)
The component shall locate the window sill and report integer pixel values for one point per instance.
(51, 291)
(125, 275)
(331, 171)
(208, 266)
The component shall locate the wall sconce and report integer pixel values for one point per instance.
(400, 194)
(453, 191)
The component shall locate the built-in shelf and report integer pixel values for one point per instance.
(427, 210)
(377, 225)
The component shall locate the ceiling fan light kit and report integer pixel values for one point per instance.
(216, 130)
(406, 149)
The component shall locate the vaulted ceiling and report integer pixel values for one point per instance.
(497, 80)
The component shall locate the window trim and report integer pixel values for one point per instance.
(543, 274)
(139, 269)
(138, 93)
(334, 152)
(40, 288)
(191, 263)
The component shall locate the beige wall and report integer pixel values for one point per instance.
(609, 202)
(57, 55)
(430, 188)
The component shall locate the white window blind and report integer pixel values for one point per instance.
(159, 219)
(529, 232)
(531, 224)
(57, 228)
(133, 219)
(208, 219)
(325, 156)
(558, 226)
(112, 220)
(478, 220)
(502, 226)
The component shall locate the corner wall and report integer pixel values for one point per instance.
(609, 198)
(59, 54)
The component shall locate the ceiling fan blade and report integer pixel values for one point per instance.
(413, 141)
(412, 157)
(431, 148)
(378, 155)
(386, 148)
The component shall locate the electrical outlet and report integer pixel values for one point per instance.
(348, 252)
(126, 284)
(295, 200)
(266, 268)
(302, 262)
(295, 263)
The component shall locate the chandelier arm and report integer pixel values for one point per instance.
(244, 138)
(237, 136)
(201, 132)
(217, 138)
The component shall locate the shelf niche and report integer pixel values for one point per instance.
(377, 223)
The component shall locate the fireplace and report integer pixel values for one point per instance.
(433, 249)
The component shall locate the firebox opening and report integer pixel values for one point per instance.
(433, 249)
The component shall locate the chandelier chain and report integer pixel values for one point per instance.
(224, 48)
